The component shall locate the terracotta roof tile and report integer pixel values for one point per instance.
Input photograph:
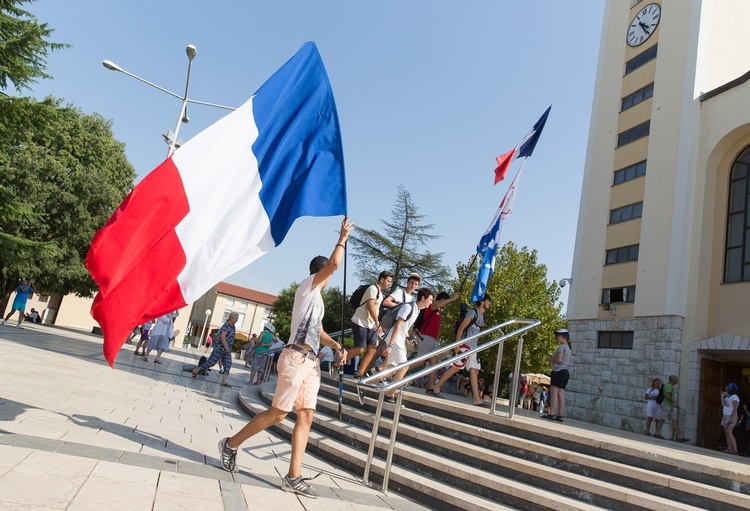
(245, 293)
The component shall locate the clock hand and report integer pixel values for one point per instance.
(644, 27)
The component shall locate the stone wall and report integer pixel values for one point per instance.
(607, 385)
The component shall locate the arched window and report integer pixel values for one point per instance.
(737, 254)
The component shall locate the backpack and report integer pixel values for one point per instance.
(389, 317)
(420, 321)
(355, 301)
(660, 398)
(383, 309)
(461, 316)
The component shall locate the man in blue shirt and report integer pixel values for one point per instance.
(19, 304)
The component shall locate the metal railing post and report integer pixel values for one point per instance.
(392, 444)
(496, 382)
(516, 377)
(373, 438)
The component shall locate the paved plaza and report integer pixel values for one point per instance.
(76, 435)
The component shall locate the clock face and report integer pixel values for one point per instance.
(644, 24)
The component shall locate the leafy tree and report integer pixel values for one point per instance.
(519, 289)
(24, 46)
(62, 174)
(282, 310)
(401, 248)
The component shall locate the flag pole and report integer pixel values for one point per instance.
(466, 275)
(341, 337)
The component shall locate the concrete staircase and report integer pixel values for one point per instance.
(451, 455)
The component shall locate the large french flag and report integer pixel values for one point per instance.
(524, 148)
(222, 200)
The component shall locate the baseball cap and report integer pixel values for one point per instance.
(562, 331)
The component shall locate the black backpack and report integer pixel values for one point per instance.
(660, 398)
(355, 301)
(461, 316)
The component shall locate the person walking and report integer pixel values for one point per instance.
(366, 329)
(669, 410)
(560, 360)
(143, 341)
(260, 359)
(469, 327)
(427, 334)
(299, 372)
(222, 350)
(395, 340)
(161, 332)
(652, 407)
(19, 302)
(730, 404)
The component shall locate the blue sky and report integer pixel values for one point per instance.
(428, 93)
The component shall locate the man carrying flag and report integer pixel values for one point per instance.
(299, 371)
(276, 158)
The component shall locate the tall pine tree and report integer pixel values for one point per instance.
(401, 248)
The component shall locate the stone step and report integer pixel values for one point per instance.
(650, 483)
(426, 490)
(486, 471)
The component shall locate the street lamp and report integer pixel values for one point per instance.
(202, 340)
(169, 137)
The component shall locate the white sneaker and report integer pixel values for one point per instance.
(19, 326)
(5, 323)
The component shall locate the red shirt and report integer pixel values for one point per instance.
(431, 325)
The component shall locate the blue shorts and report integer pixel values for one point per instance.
(19, 306)
(364, 336)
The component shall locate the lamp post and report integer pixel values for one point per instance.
(169, 137)
(202, 340)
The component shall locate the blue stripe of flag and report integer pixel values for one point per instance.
(299, 150)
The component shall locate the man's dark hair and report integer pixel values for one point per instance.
(485, 297)
(317, 264)
(442, 295)
(384, 275)
(424, 293)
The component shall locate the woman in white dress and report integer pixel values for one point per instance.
(652, 407)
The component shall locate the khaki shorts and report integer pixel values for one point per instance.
(667, 413)
(298, 383)
(728, 420)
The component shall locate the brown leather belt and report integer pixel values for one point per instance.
(308, 353)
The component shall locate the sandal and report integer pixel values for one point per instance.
(195, 375)
(145, 359)
(225, 385)
(659, 437)
(157, 362)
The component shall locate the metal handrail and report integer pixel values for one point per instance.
(382, 388)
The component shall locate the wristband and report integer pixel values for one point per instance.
(390, 345)
(340, 245)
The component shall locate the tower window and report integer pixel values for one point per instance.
(618, 295)
(626, 213)
(616, 340)
(622, 255)
(633, 134)
(638, 96)
(737, 250)
(630, 172)
(640, 60)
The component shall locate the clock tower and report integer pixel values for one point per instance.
(661, 269)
